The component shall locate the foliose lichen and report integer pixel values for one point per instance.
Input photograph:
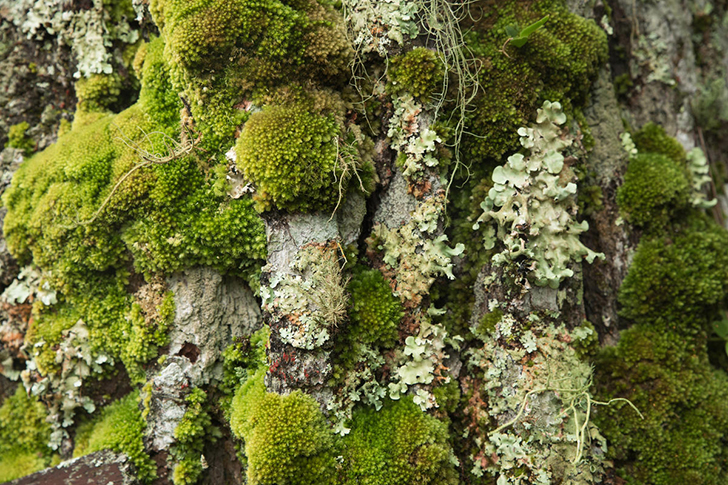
(311, 300)
(90, 32)
(532, 204)
(413, 253)
(531, 443)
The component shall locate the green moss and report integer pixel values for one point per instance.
(158, 96)
(240, 361)
(287, 440)
(375, 312)
(557, 63)
(166, 216)
(118, 328)
(190, 435)
(419, 72)
(652, 138)
(142, 338)
(397, 445)
(98, 92)
(678, 280)
(24, 436)
(488, 322)
(118, 427)
(448, 396)
(682, 438)
(16, 465)
(222, 52)
(291, 156)
(623, 84)
(655, 189)
(84, 212)
(17, 138)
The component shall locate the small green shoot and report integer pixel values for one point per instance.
(519, 39)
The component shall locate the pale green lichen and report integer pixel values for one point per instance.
(29, 284)
(310, 299)
(699, 176)
(628, 144)
(531, 207)
(90, 32)
(80, 362)
(376, 25)
(543, 409)
(415, 144)
(418, 362)
(417, 368)
(359, 386)
(650, 56)
(414, 252)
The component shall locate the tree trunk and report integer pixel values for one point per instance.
(292, 242)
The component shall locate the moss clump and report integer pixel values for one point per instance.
(240, 361)
(279, 36)
(683, 436)
(287, 440)
(166, 216)
(98, 92)
(140, 335)
(557, 63)
(24, 436)
(291, 155)
(488, 323)
(678, 280)
(655, 188)
(419, 72)
(397, 445)
(18, 139)
(190, 434)
(375, 312)
(652, 138)
(224, 52)
(119, 427)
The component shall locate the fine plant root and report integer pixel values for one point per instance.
(580, 398)
(172, 150)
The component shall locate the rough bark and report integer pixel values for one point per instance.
(380, 319)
